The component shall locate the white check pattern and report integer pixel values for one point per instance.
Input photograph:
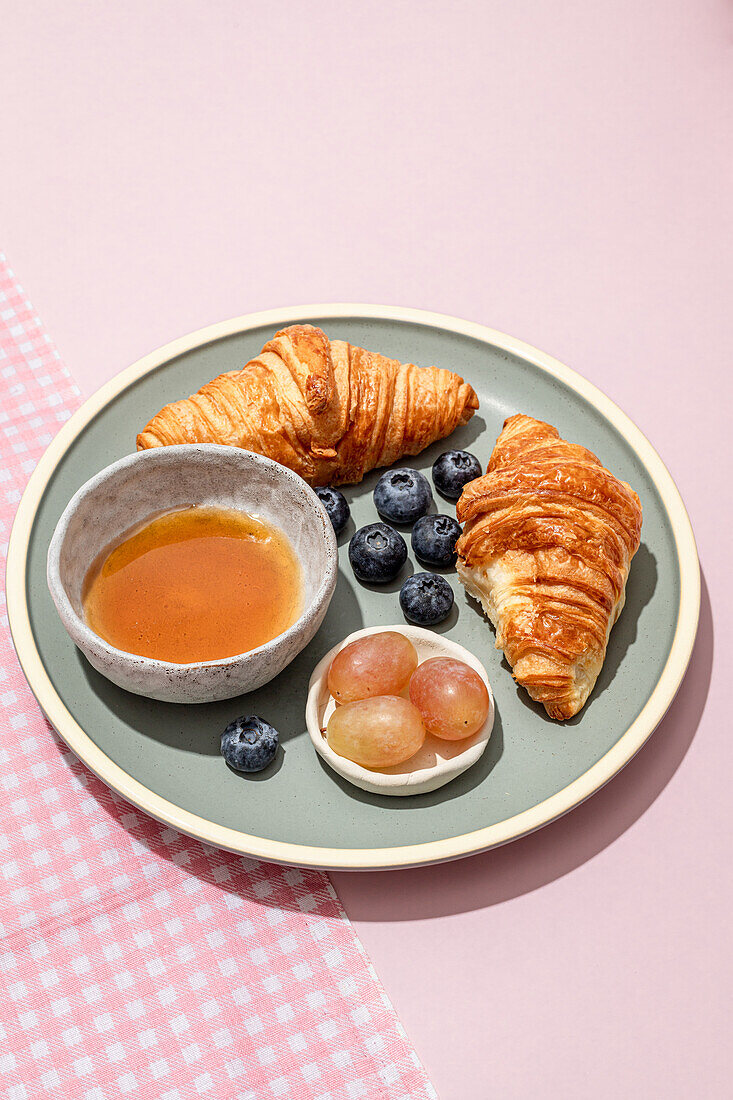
(134, 960)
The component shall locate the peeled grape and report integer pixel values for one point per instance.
(376, 733)
(451, 697)
(379, 664)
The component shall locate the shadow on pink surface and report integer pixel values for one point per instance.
(540, 858)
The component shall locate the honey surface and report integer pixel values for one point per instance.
(195, 585)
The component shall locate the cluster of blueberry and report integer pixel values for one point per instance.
(377, 552)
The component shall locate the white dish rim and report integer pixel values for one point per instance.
(416, 782)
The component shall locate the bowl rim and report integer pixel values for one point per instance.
(84, 635)
(334, 858)
(351, 771)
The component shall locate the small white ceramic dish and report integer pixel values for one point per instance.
(147, 483)
(437, 762)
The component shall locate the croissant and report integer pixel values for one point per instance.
(548, 540)
(326, 409)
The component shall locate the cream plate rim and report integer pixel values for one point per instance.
(354, 858)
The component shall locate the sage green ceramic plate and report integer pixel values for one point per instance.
(165, 758)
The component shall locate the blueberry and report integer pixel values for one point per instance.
(454, 469)
(248, 744)
(426, 599)
(335, 504)
(402, 495)
(434, 540)
(377, 553)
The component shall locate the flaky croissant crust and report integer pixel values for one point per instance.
(324, 408)
(547, 545)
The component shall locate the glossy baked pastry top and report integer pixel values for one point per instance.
(324, 408)
(548, 540)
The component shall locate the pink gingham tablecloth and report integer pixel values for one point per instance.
(134, 960)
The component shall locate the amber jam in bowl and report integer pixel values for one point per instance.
(196, 584)
(192, 573)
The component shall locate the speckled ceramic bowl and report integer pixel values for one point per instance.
(127, 493)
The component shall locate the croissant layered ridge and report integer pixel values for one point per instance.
(327, 409)
(547, 545)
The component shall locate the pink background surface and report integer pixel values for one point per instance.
(560, 171)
